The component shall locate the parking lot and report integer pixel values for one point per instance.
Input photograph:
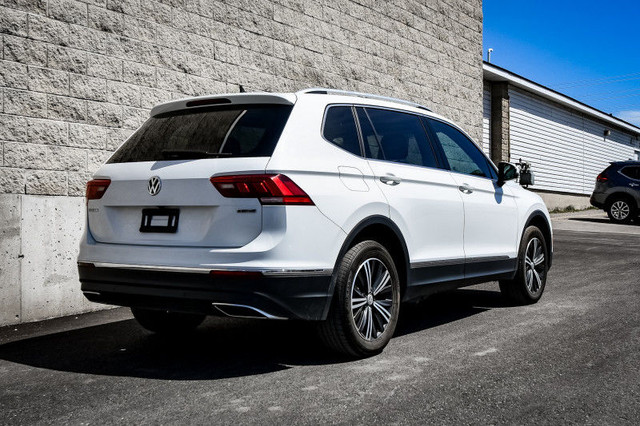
(458, 357)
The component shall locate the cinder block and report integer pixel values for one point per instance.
(87, 136)
(25, 103)
(66, 108)
(66, 59)
(46, 182)
(12, 181)
(48, 132)
(71, 11)
(48, 30)
(13, 128)
(85, 87)
(48, 81)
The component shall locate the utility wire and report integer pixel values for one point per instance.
(603, 80)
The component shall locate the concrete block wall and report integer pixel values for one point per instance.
(77, 77)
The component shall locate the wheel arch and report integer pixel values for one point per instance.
(540, 221)
(384, 231)
(618, 195)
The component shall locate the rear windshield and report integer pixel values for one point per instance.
(213, 132)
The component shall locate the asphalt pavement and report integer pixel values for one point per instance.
(463, 357)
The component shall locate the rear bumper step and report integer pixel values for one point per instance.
(272, 297)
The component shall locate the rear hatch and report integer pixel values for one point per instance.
(160, 191)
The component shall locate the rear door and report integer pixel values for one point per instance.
(423, 199)
(160, 192)
(490, 211)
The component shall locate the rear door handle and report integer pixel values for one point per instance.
(390, 179)
(634, 184)
(465, 188)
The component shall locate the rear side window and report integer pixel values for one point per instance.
(340, 129)
(632, 172)
(462, 154)
(214, 132)
(395, 136)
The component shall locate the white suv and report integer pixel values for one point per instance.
(318, 205)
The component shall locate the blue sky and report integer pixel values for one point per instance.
(589, 50)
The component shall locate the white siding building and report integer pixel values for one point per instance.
(567, 142)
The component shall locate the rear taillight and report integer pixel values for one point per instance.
(269, 189)
(602, 178)
(96, 188)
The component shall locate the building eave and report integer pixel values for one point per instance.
(494, 73)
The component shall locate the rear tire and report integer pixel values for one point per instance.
(621, 210)
(165, 322)
(366, 302)
(527, 286)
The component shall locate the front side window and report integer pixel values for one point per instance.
(212, 132)
(395, 136)
(462, 154)
(340, 129)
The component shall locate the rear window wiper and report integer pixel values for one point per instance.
(191, 154)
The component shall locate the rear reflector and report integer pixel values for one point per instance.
(96, 188)
(269, 189)
(602, 178)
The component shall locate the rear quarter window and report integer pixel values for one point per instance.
(340, 129)
(212, 132)
(632, 172)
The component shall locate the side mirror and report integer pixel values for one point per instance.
(506, 171)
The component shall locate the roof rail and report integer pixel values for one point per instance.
(325, 91)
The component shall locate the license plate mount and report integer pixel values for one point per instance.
(160, 220)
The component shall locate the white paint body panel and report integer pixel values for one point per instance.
(426, 206)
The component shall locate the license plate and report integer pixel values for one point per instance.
(160, 220)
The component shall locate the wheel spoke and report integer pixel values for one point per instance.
(357, 302)
(383, 284)
(529, 278)
(367, 271)
(386, 315)
(539, 259)
(369, 324)
(538, 280)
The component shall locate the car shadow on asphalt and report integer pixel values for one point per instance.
(221, 347)
(603, 220)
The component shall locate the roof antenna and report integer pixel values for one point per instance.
(489, 55)
(241, 88)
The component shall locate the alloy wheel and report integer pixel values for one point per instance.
(535, 266)
(372, 298)
(620, 210)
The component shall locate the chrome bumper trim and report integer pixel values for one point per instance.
(265, 272)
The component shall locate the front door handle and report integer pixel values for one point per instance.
(634, 184)
(390, 179)
(465, 188)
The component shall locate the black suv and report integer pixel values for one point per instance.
(617, 191)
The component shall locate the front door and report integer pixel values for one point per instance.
(490, 211)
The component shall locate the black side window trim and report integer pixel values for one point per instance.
(444, 157)
(355, 120)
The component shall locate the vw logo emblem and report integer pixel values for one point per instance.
(154, 186)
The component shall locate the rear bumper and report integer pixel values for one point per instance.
(305, 297)
(597, 200)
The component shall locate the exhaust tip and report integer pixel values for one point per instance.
(243, 311)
